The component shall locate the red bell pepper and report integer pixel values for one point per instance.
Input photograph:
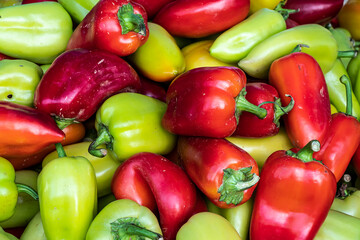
(25, 131)
(299, 75)
(263, 94)
(117, 26)
(152, 89)
(342, 138)
(293, 197)
(201, 18)
(225, 173)
(153, 181)
(207, 102)
(79, 81)
(152, 7)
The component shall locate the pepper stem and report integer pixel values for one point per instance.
(28, 190)
(131, 21)
(130, 228)
(104, 137)
(346, 81)
(298, 48)
(64, 122)
(306, 153)
(234, 183)
(347, 54)
(60, 150)
(244, 105)
(285, 12)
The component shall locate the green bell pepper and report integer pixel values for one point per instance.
(321, 45)
(18, 81)
(9, 190)
(350, 204)
(129, 123)
(124, 219)
(105, 200)
(78, 9)
(34, 230)
(104, 167)
(67, 195)
(6, 236)
(36, 32)
(353, 69)
(26, 206)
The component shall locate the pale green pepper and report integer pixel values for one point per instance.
(6, 236)
(34, 230)
(78, 9)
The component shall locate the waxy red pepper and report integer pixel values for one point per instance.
(259, 93)
(25, 130)
(207, 101)
(117, 26)
(152, 7)
(293, 197)
(225, 173)
(79, 81)
(299, 75)
(201, 18)
(153, 181)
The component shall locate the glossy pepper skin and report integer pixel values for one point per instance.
(30, 130)
(251, 126)
(201, 18)
(117, 26)
(293, 196)
(349, 18)
(78, 9)
(225, 173)
(24, 27)
(207, 101)
(151, 180)
(299, 75)
(34, 229)
(91, 76)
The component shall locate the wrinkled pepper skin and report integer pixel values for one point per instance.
(90, 77)
(299, 75)
(152, 180)
(107, 223)
(201, 18)
(117, 26)
(18, 81)
(225, 173)
(35, 32)
(349, 18)
(322, 46)
(293, 196)
(30, 130)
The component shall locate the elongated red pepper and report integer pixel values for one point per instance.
(25, 131)
(299, 75)
(225, 173)
(207, 101)
(263, 94)
(293, 197)
(342, 138)
(159, 184)
(79, 81)
(200, 18)
(117, 26)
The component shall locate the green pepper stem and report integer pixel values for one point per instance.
(298, 48)
(63, 122)
(306, 153)
(234, 183)
(104, 137)
(244, 105)
(346, 81)
(60, 150)
(285, 12)
(130, 21)
(356, 43)
(347, 54)
(28, 190)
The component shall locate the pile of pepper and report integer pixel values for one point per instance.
(179, 119)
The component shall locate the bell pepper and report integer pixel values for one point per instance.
(91, 76)
(34, 230)
(348, 203)
(7, 3)
(153, 7)
(160, 58)
(349, 18)
(35, 32)
(353, 69)
(9, 190)
(18, 81)
(256, 5)
(314, 11)
(207, 225)
(26, 206)
(201, 18)
(3, 56)
(207, 101)
(197, 55)
(31, 130)
(6, 236)
(299, 75)
(105, 200)
(129, 123)
(67, 202)
(104, 167)
(322, 46)
(158, 184)
(117, 26)
(153, 89)
(124, 218)
(342, 138)
(263, 94)
(78, 9)
(294, 195)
